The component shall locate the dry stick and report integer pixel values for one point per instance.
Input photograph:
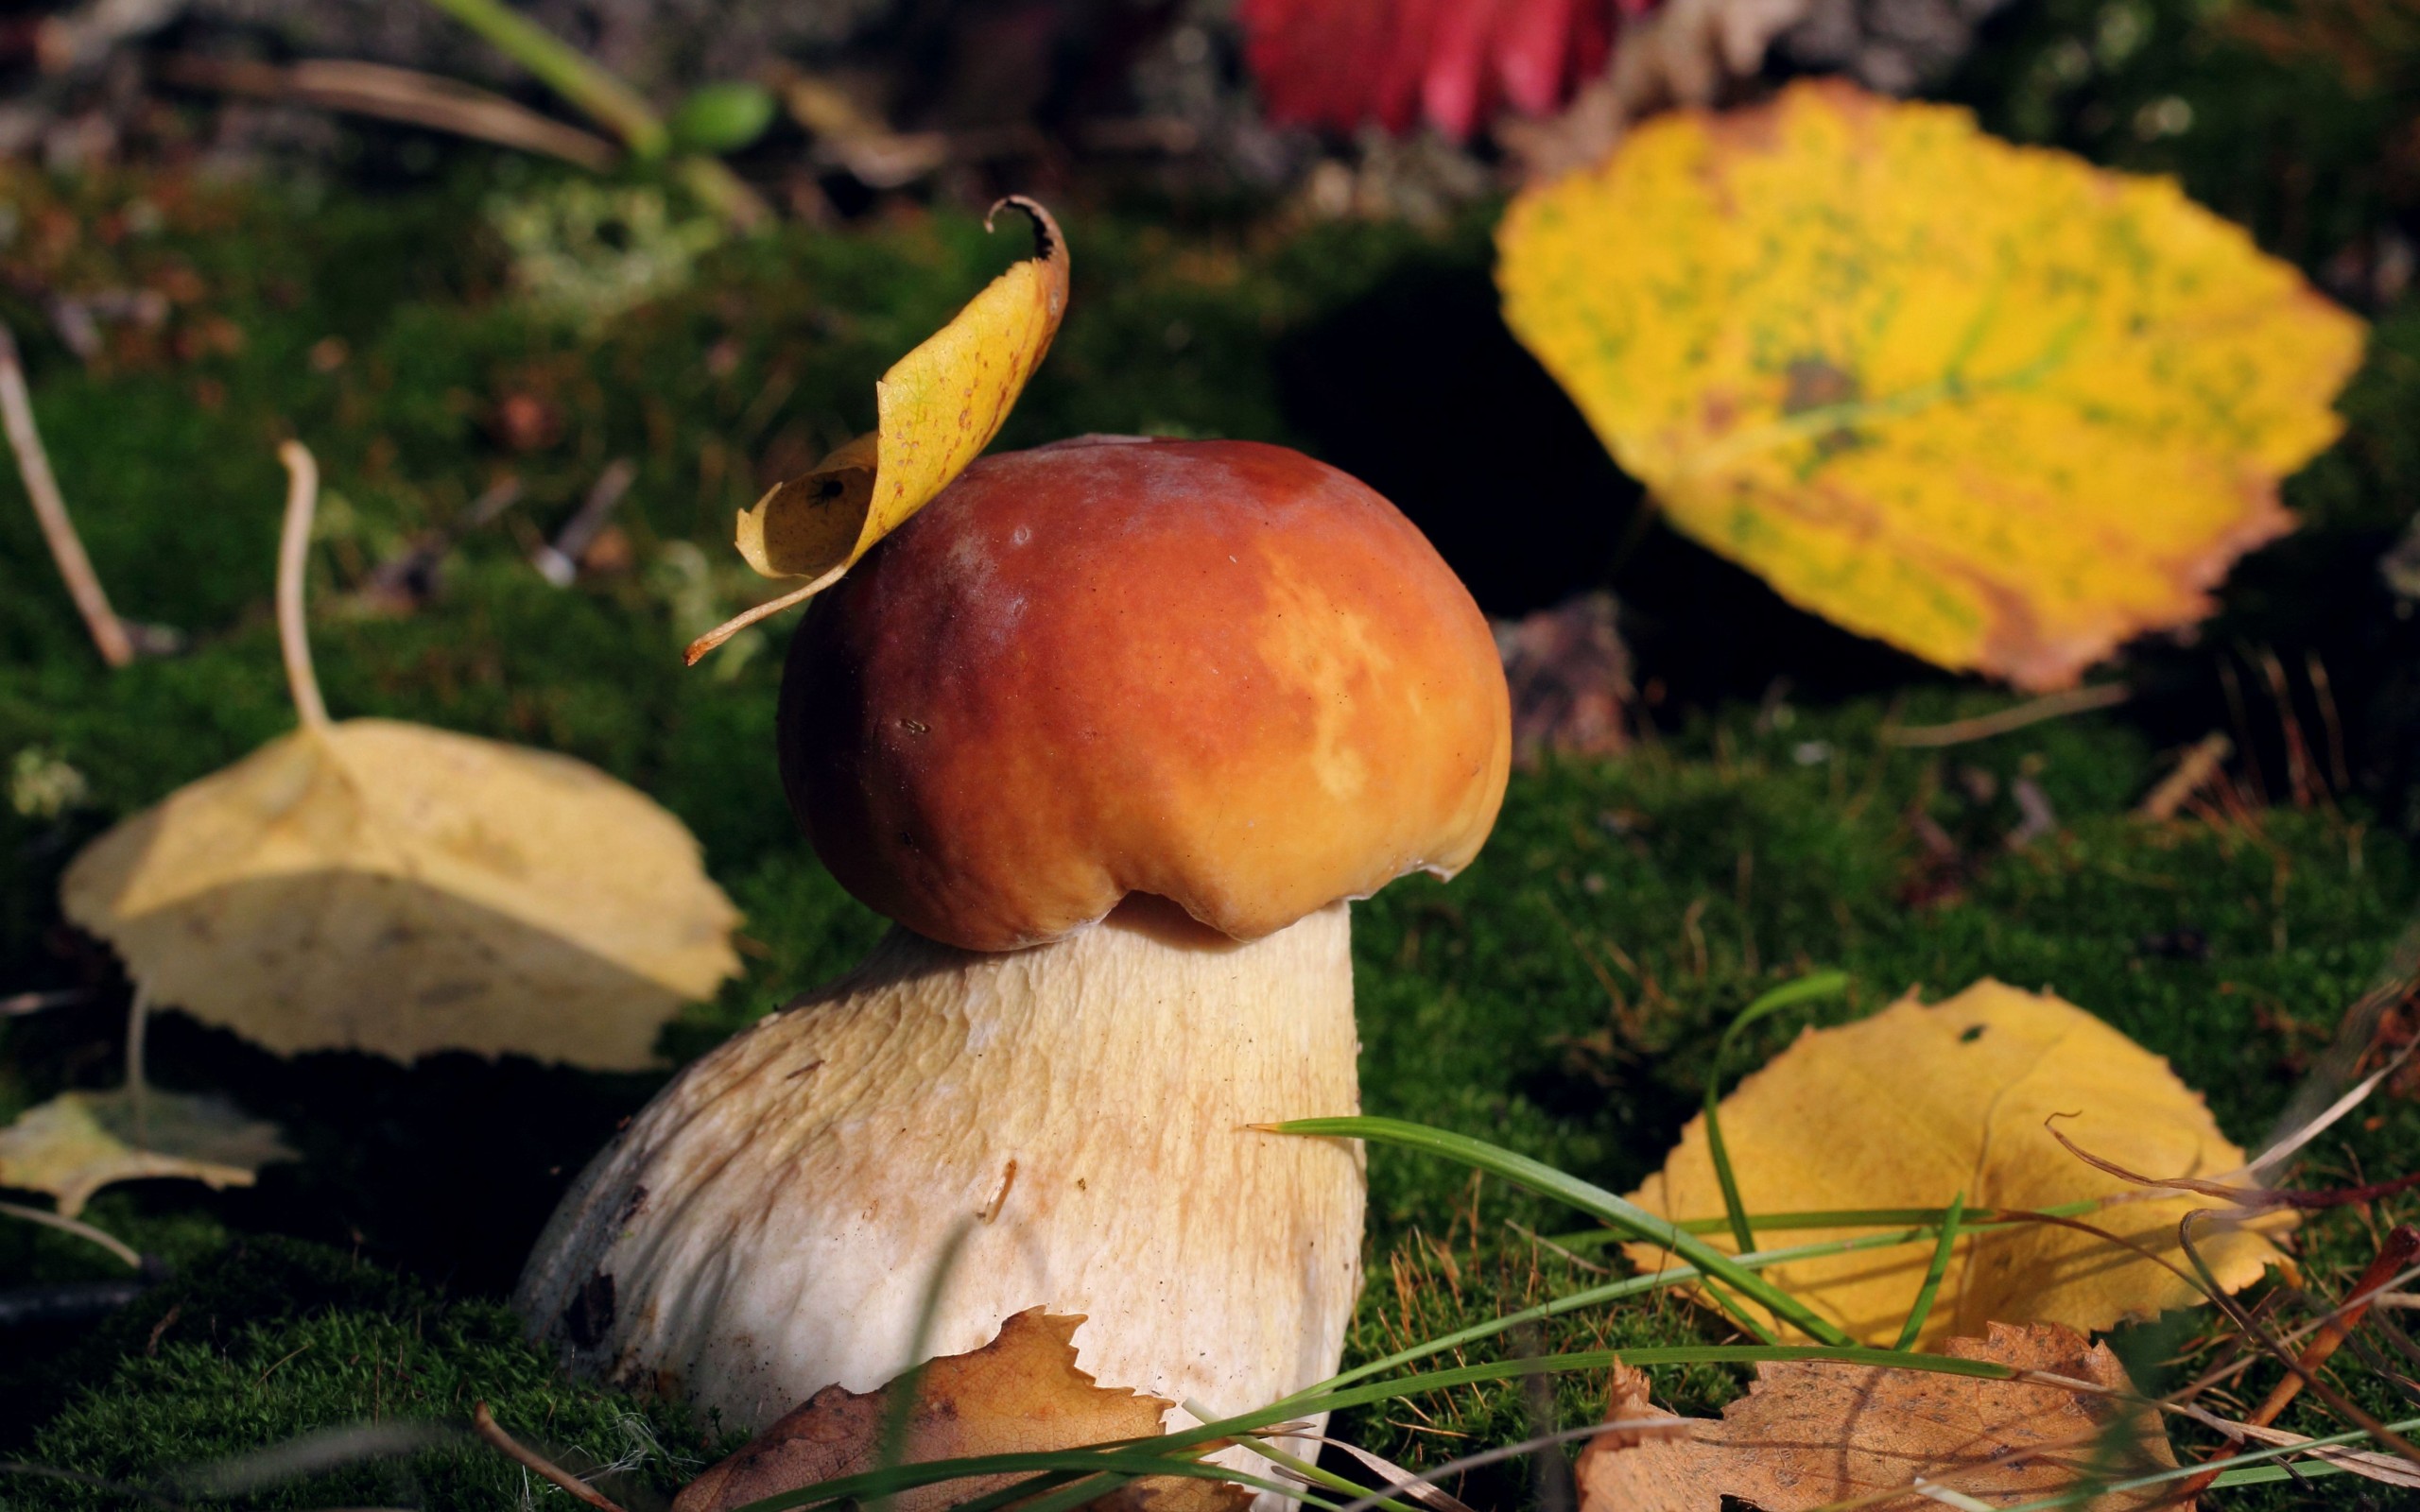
(2253, 1197)
(557, 561)
(2401, 1246)
(293, 556)
(50, 508)
(2051, 706)
(2193, 773)
(79, 1229)
(2300, 774)
(2315, 672)
(2251, 1325)
(486, 1427)
(138, 1088)
(399, 95)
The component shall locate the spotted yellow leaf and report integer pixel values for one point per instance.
(935, 411)
(79, 1142)
(1986, 402)
(1917, 1104)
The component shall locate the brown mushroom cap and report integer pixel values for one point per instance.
(1215, 671)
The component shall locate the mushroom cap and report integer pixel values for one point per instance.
(1215, 671)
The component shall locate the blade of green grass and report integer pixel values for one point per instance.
(566, 71)
(890, 1446)
(1615, 1291)
(1975, 1219)
(1933, 1273)
(2234, 1470)
(1789, 994)
(1545, 1180)
(1739, 1311)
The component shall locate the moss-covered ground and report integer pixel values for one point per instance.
(1562, 997)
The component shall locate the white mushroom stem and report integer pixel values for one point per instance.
(770, 1223)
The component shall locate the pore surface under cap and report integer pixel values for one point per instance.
(1216, 671)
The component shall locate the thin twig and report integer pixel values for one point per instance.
(50, 508)
(293, 556)
(17, 1003)
(398, 95)
(2402, 1244)
(2199, 763)
(138, 1086)
(79, 1228)
(484, 1424)
(2251, 1326)
(2051, 706)
(2253, 1197)
(557, 561)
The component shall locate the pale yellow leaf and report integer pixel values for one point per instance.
(389, 887)
(1916, 1104)
(79, 1142)
(1986, 402)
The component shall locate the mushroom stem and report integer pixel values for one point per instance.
(293, 559)
(772, 1223)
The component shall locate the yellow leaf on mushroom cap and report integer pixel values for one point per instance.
(1916, 1104)
(389, 887)
(1986, 402)
(936, 409)
(79, 1142)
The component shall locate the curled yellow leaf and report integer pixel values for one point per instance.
(1986, 402)
(935, 411)
(1917, 1104)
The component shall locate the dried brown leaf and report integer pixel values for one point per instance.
(1019, 1393)
(1808, 1434)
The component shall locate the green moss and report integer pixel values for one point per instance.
(1563, 995)
(271, 1340)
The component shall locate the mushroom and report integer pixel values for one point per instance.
(1112, 730)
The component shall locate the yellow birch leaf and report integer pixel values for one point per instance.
(383, 886)
(1986, 402)
(79, 1142)
(935, 411)
(1916, 1104)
